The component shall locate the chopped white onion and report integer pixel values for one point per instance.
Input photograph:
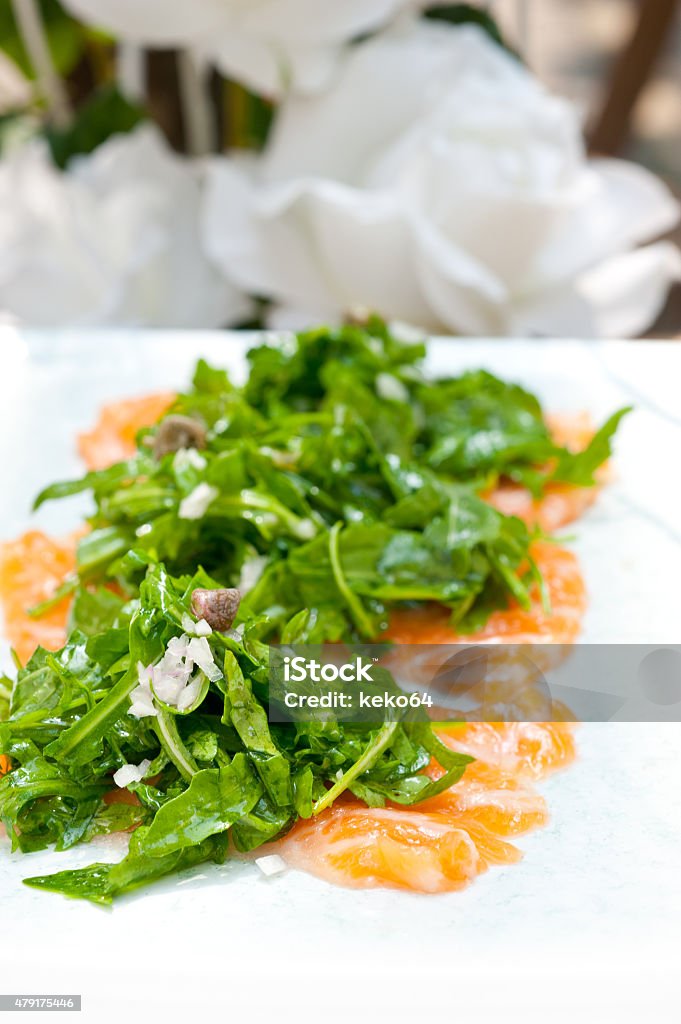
(172, 679)
(391, 388)
(200, 653)
(141, 698)
(273, 864)
(200, 628)
(131, 773)
(186, 458)
(189, 694)
(168, 689)
(251, 571)
(195, 505)
(177, 646)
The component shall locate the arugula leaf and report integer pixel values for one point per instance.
(579, 467)
(249, 719)
(101, 883)
(215, 799)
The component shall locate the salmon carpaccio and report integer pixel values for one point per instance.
(443, 843)
(112, 439)
(439, 845)
(31, 569)
(34, 565)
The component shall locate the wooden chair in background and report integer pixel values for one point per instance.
(631, 73)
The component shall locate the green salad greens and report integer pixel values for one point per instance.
(336, 484)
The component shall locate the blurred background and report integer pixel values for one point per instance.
(619, 61)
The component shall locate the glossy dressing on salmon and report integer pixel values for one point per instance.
(444, 843)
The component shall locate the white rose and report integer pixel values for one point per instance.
(269, 45)
(112, 240)
(437, 182)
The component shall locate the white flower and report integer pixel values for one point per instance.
(131, 773)
(438, 183)
(267, 44)
(153, 22)
(195, 505)
(112, 240)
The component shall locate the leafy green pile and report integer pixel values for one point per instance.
(334, 485)
(342, 481)
(216, 770)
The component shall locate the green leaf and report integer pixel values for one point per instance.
(579, 468)
(467, 14)
(66, 38)
(100, 883)
(249, 718)
(215, 799)
(105, 113)
(95, 611)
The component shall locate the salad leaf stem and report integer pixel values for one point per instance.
(166, 730)
(359, 617)
(373, 751)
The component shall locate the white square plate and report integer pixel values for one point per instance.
(590, 921)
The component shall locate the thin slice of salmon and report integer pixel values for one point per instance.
(497, 800)
(527, 750)
(360, 847)
(561, 504)
(112, 439)
(443, 843)
(31, 569)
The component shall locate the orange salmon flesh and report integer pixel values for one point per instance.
(112, 439)
(444, 843)
(31, 569)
